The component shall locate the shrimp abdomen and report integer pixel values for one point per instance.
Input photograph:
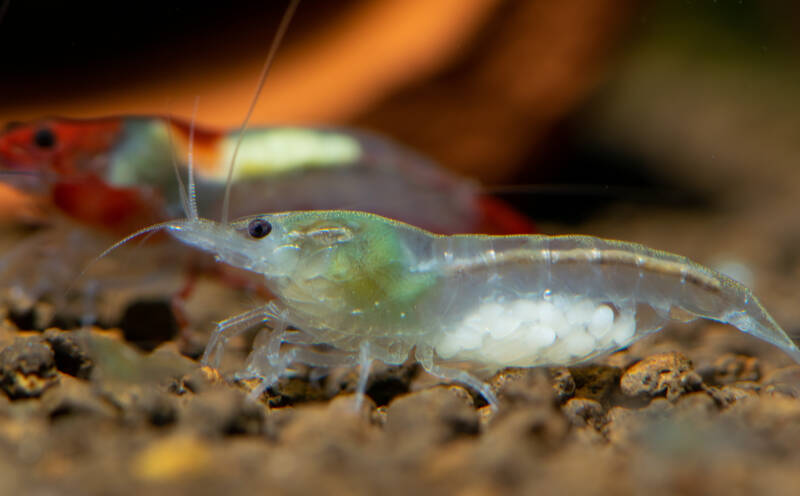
(542, 300)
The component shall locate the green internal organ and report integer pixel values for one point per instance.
(366, 267)
(276, 151)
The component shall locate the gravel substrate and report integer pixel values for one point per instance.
(87, 413)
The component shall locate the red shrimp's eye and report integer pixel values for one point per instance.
(44, 138)
(258, 228)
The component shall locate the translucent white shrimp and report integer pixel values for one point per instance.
(375, 288)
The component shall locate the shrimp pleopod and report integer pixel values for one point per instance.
(468, 305)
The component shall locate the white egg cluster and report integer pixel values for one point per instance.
(524, 332)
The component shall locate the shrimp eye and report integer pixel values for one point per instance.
(44, 138)
(258, 228)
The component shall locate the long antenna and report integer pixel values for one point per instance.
(287, 17)
(192, 193)
(181, 186)
(144, 230)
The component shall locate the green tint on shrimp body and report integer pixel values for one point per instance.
(354, 273)
(360, 281)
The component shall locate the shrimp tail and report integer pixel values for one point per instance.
(753, 319)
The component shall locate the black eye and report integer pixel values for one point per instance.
(258, 228)
(44, 138)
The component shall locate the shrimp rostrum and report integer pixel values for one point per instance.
(467, 305)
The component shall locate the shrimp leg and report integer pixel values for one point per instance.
(269, 376)
(266, 353)
(425, 358)
(365, 364)
(467, 379)
(239, 324)
(266, 363)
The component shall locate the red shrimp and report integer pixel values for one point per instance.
(116, 174)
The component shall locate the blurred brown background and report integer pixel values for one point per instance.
(654, 103)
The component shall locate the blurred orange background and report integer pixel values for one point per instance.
(476, 84)
(646, 102)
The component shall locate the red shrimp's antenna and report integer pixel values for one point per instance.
(287, 17)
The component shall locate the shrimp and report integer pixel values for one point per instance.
(463, 306)
(468, 305)
(115, 174)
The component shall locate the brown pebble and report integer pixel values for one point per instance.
(784, 381)
(582, 411)
(327, 429)
(698, 404)
(531, 386)
(596, 382)
(540, 427)
(70, 353)
(730, 368)
(27, 368)
(221, 411)
(667, 374)
(563, 383)
(737, 393)
(435, 415)
(73, 399)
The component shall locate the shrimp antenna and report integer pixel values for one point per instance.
(287, 17)
(192, 193)
(181, 186)
(144, 230)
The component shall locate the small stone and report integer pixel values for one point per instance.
(529, 386)
(196, 381)
(222, 411)
(784, 381)
(596, 382)
(74, 398)
(563, 383)
(738, 393)
(582, 412)
(730, 368)
(540, 427)
(435, 415)
(71, 355)
(27, 368)
(668, 374)
(288, 391)
(699, 404)
(158, 408)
